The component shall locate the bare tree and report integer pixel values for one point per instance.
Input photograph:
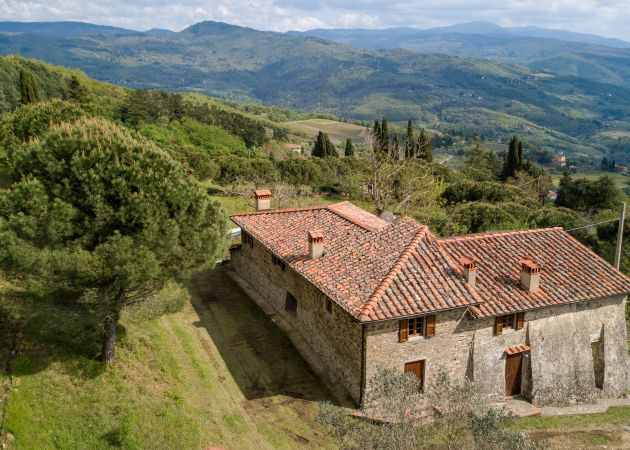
(395, 184)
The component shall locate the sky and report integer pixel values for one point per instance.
(603, 17)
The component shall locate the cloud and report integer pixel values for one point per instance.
(604, 17)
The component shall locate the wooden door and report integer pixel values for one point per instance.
(513, 370)
(417, 368)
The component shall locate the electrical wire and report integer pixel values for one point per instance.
(594, 224)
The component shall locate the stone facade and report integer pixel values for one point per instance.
(578, 351)
(570, 344)
(334, 336)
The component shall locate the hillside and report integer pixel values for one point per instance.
(592, 57)
(438, 91)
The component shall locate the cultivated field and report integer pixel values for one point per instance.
(338, 132)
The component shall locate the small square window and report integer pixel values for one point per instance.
(416, 326)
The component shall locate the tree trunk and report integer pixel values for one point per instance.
(108, 349)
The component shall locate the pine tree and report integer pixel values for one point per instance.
(349, 151)
(410, 145)
(77, 92)
(28, 89)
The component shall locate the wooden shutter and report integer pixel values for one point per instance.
(429, 326)
(520, 320)
(403, 330)
(498, 325)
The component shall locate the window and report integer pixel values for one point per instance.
(278, 262)
(290, 305)
(416, 326)
(508, 322)
(246, 238)
(329, 305)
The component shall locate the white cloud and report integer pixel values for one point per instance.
(605, 17)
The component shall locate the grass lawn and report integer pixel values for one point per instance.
(217, 373)
(587, 431)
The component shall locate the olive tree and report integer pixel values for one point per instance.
(104, 220)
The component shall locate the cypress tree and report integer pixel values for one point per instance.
(28, 89)
(511, 159)
(395, 150)
(410, 145)
(319, 149)
(349, 151)
(384, 136)
(519, 154)
(424, 149)
(329, 147)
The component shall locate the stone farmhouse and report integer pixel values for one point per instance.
(531, 312)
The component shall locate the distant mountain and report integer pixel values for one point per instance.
(564, 52)
(159, 32)
(61, 29)
(438, 91)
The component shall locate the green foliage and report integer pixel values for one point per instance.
(349, 149)
(481, 164)
(29, 93)
(213, 140)
(236, 169)
(587, 195)
(410, 142)
(102, 219)
(471, 191)
(424, 149)
(300, 171)
(448, 414)
(77, 90)
(483, 216)
(250, 130)
(323, 146)
(513, 159)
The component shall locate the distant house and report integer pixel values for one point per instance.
(297, 148)
(559, 161)
(531, 312)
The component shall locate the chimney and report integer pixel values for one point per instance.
(470, 271)
(263, 199)
(530, 275)
(315, 244)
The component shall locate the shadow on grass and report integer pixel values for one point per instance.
(260, 357)
(46, 332)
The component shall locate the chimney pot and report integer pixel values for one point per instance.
(263, 199)
(315, 244)
(530, 275)
(470, 270)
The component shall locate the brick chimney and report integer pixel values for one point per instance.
(470, 270)
(263, 199)
(315, 244)
(530, 275)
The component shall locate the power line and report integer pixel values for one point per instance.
(593, 224)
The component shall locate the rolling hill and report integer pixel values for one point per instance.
(563, 52)
(443, 92)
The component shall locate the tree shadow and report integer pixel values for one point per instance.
(41, 332)
(260, 357)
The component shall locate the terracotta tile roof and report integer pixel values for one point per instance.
(517, 349)
(262, 193)
(570, 271)
(377, 271)
(365, 259)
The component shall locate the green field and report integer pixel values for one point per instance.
(217, 373)
(338, 132)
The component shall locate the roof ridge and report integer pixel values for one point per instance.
(281, 211)
(387, 281)
(350, 218)
(488, 234)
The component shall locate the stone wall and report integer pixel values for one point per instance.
(334, 337)
(558, 369)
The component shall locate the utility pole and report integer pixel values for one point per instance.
(620, 236)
